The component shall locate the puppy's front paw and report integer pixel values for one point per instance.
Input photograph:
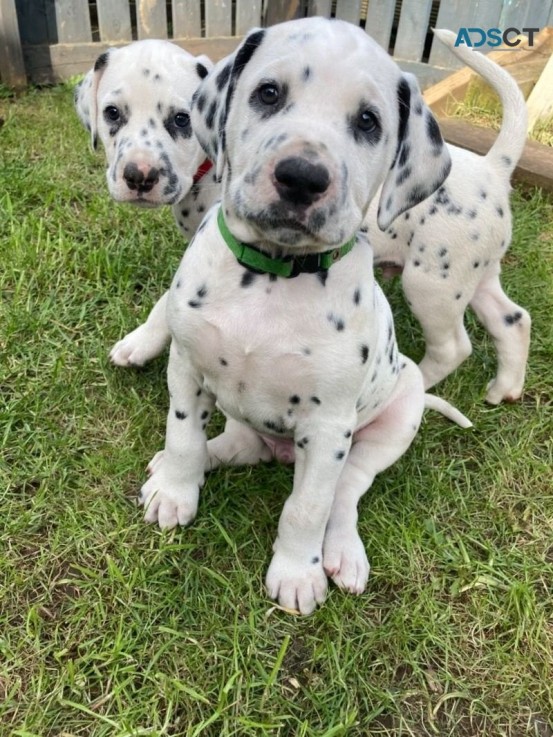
(296, 585)
(345, 561)
(166, 501)
(138, 347)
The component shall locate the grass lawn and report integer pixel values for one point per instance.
(110, 627)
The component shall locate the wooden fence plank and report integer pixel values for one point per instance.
(37, 21)
(537, 12)
(380, 17)
(187, 21)
(457, 14)
(248, 15)
(151, 19)
(280, 10)
(73, 21)
(114, 20)
(218, 18)
(412, 29)
(349, 10)
(319, 7)
(12, 67)
(50, 64)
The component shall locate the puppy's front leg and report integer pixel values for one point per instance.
(146, 341)
(170, 496)
(296, 576)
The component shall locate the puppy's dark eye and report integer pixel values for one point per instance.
(367, 121)
(268, 94)
(111, 113)
(182, 120)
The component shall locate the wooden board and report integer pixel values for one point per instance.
(218, 18)
(453, 89)
(540, 101)
(380, 18)
(114, 20)
(412, 29)
(187, 22)
(535, 165)
(151, 19)
(51, 64)
(73, 21)
(11, 55)
(248, 15)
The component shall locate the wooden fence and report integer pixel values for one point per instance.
(47, 41)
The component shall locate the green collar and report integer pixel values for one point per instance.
(288, 266)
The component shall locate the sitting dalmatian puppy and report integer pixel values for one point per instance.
(449, 247)
(274, 312)
(136, 100)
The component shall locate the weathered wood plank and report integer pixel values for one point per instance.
(412, 29)
(37, 21)
(535, 165)
(51, 64)
(540, 101)
(12, 67)
(151, 19)
(248, 15)
(218, 18)
(114, 20)
(380, 18)
(278, 11)
(187, 21)
(319, 7)
(73, 21)
(349, 10)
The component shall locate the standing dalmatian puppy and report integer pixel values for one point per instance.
(274, 312)
(449, 246)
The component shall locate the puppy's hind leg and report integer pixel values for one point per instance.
(236, 445)
(146, 341)
(509, 326)
(441, 318)
(374, 449)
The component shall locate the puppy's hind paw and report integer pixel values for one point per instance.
(345, 561)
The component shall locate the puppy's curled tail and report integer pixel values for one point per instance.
(509, 144)
(431, 401)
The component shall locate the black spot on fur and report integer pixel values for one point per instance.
(223, 362)
(364, 353)
(499, 211)
(512, 319)
(180, 415)
(339, 454)
(357, 297)
(322, 276)
(101, 61)
(315, 400)
(223, 76)
(294, 399)
(201, 71)
(315, 560)
(248, 278)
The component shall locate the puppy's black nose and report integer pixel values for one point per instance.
(299, 181)
(142, 180)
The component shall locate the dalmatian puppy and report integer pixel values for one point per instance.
(274, 312)
(449, 247)
(136, 100)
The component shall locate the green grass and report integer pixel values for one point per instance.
(109, 627)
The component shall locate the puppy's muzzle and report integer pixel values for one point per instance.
(141, 179)
(300, 182)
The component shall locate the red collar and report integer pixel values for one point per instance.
(203, 169)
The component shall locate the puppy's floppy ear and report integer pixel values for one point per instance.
(422, 161)
(213, 98)
(86, 96)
